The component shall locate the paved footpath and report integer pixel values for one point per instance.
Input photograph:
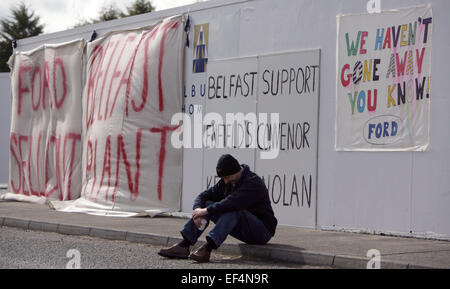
(290, 244)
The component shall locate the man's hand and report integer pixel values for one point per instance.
(197, 214)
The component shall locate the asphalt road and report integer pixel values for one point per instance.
(20, 249)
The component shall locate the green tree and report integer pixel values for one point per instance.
(139, 7)
(108, 13)
(23, 23)
(112, 12)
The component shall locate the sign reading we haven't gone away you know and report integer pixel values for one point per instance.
(384, 80)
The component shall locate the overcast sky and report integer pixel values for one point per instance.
(59, 15)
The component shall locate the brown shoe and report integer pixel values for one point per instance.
(201, 255)
(176, 251)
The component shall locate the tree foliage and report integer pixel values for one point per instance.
(139, 7)
(112, 12)
(22, 24)
(108, 13)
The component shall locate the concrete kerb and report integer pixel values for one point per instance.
(254, 251)
(412, 266)
(79, 230)
(17, 223)
(250, 251)
(73, 230)
(43, 226)
(108, 234)
(151, 239)
(302, 257)
(346, 262)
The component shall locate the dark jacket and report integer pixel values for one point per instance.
(250, 193)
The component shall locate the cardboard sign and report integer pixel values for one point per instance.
(384, 81)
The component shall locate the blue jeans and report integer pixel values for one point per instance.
(242, 225)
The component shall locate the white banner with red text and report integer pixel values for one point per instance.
(121, 155)
(45, 137)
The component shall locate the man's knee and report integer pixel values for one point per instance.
(232, 214)
(228, 216)
(208, 203)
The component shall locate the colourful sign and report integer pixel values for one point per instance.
(384, 80)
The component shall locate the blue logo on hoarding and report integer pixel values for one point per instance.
(200, 48)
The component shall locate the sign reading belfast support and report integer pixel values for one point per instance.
(45, 138)
(264, 111)
(384, 80)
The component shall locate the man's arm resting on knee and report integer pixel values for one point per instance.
(240, 199)
(212, 194)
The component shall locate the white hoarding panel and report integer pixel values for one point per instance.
(288, 85)
(264, 111)
(230, 114)
(195, 69)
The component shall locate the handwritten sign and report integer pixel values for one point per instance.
(45, 139)
(230, 118)
(384, 80)
(133, 88)
(264, 111)
(289, 84)
(106, 146)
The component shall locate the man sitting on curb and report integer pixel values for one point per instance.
(238, 204)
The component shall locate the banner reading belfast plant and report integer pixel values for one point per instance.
(107, 145)
(133, 87)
